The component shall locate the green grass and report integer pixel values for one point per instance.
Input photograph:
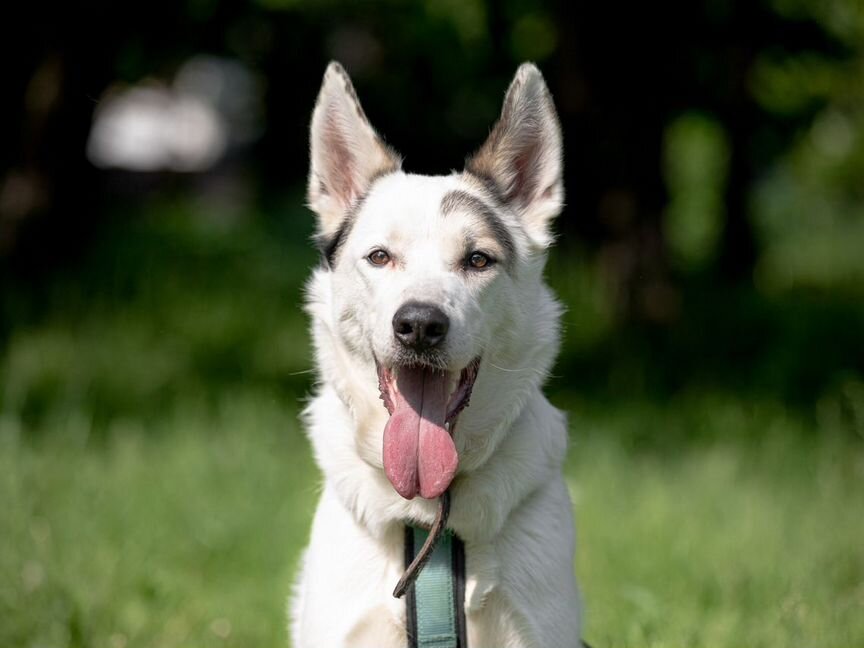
(186, 533)
(156, 488)
(183, 531)
(722, 545)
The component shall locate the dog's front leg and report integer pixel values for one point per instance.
(481, 574)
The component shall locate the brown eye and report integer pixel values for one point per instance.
(378, 258)
(479, 260)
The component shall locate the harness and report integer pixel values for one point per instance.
(435, 603)
(434, 585)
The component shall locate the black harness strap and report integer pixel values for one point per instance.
(459, 590)
(410, 600)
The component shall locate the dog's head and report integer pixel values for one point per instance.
(434, 277)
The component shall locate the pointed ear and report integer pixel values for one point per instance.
(346, 152)
(522, 155)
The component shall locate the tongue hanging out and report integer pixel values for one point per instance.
(419, 454)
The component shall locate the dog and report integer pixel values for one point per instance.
(431, 293)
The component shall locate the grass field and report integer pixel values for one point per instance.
(156, 488)
(186, 532)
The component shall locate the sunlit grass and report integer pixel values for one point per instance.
(187, 533)
(729, 544)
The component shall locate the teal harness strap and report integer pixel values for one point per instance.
(436, 601)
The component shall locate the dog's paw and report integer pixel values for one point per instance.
(481, 575)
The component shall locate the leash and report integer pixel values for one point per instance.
(414, 565)
(435, 603)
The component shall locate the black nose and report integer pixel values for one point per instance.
(420, 326)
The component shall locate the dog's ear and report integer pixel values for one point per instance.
(346, 152)
(522, 155)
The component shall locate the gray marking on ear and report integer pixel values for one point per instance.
(488, 185)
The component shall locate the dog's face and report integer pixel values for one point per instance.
(427, 272)
(420, 270)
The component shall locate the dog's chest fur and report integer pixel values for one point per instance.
(514, 515)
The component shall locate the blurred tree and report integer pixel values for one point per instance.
(432, 74)
(622, 78)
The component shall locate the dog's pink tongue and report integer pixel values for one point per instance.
(419, 454)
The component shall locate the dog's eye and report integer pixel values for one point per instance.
(479, 260)
(378, 257)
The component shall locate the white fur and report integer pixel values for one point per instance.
(510, 502)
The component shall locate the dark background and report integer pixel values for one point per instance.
(713, 155)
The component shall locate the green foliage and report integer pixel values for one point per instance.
(163, 307)
(809, 208)
(534, 37)
(696, 164)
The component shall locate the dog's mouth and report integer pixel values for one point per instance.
(419, 453)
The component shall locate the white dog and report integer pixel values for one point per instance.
(431, 290)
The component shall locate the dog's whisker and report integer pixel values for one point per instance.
(518, 370)
(482, 346)
(301, 372)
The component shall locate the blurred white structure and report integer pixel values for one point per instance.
(212, 105)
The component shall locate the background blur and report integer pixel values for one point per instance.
(155, 485)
